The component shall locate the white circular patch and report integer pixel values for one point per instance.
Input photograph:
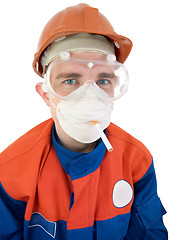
(122, 194)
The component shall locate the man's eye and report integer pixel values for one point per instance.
(70, 81)
(103, 82)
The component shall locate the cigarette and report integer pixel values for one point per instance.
(103, 136)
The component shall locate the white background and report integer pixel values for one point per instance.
(144, 111)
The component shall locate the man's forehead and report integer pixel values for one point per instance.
(80, 68)
(88, 56)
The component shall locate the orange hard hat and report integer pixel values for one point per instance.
(78, 19)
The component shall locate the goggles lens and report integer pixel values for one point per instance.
(64, 77)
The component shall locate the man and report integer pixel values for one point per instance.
(78, 176)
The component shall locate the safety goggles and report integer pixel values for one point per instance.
(68, 73)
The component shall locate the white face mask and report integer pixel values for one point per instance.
(79, 109)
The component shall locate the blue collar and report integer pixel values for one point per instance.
(77, 164)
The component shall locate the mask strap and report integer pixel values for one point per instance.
(52, 102)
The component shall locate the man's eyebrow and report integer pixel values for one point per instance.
(68, 75)
(106, 75)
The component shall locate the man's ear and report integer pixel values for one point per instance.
(43, 94)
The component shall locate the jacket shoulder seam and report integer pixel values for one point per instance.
(135, 145)
(30, 149)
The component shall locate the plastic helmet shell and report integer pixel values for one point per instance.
(77, 19)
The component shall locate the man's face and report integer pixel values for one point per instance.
(65, 78)
(68, 77)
